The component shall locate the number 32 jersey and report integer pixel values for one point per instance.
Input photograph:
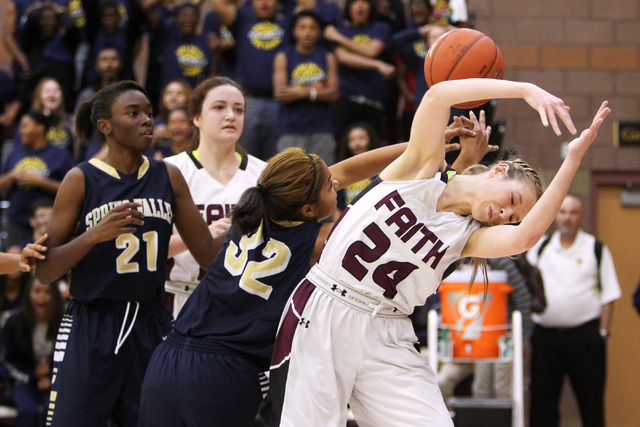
(392, 242)
(130, 267)
(238, 303)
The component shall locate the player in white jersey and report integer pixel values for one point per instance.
(345, 337)
(215, 172)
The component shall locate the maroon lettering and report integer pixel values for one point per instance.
(394, 196)
(428, 237)
(359, 249)
(435, 254)
(389, 275)
(404, 219)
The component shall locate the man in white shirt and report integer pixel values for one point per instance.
(569, 336)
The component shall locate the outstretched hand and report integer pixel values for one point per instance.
(580, 145)
(31, 252)
(548, 106)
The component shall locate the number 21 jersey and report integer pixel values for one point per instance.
(130, 267)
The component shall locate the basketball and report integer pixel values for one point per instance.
(463, 53)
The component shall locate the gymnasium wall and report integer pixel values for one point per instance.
(584, 51)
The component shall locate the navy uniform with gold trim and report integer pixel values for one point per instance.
(208, 370)
(117, 316)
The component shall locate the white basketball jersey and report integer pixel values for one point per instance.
(213, 199)
(392, 243)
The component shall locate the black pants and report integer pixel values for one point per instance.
(579, 353)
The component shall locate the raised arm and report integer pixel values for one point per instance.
(365, 165)
(425, 154)
(505, 240)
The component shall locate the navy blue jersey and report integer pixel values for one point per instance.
(130, 267)
(239, 301)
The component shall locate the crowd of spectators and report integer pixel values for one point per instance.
(312, 70)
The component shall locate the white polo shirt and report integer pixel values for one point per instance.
(571, 281)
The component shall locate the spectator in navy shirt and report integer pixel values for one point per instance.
(361, 42)
(177, 47)
(49, 40)
(33, 170)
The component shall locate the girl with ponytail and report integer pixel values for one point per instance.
(345, 337)
(210, 369)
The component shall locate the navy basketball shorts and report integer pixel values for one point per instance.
(192, 381)
(101, 354)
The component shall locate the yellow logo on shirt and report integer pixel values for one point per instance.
(266, 35)
(362, 39)
(191, 59)
(306, 74)
(420, 48)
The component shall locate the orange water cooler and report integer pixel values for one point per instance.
(474, 326)
(471, 328)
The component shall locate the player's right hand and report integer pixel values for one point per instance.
(119, 220)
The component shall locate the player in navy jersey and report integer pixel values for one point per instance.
(345, 337)
(209, 367)
(110, 225)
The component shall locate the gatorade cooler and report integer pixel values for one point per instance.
(476, 328)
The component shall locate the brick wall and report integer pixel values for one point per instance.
(584, 51)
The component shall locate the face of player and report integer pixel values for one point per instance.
(360, 12)
(306, 32)
(503, 200)
(221, 117)
(31, 131)
(175, 95)
(327, 203)
(265, 9)
(40, 300)
(131, 121)
(51, 95)
(570, 216)
(108, 64)
(179, 125)
(358, 141)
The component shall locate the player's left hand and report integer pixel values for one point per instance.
(579, 146)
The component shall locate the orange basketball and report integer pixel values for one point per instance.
(463, 53)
